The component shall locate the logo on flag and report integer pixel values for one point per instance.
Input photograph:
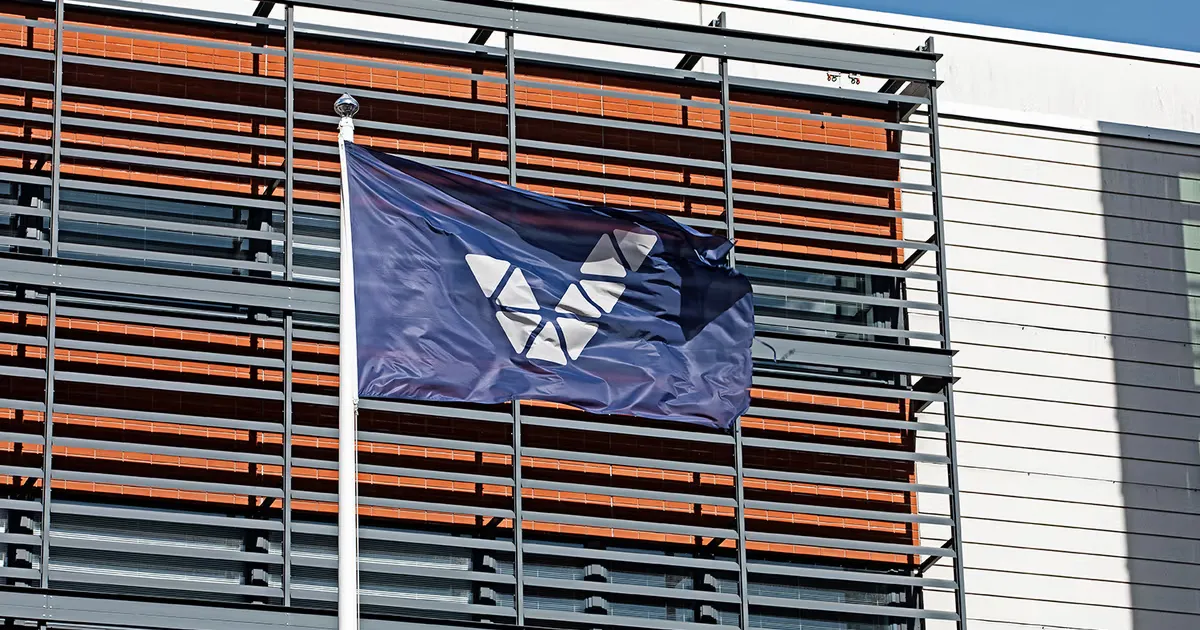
(519, 313)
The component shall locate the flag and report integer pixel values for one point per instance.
(467, 290)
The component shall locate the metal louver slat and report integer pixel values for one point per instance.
(633, 590)
(164, 516)
(372, 533)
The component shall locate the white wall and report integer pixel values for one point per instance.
(1078, 408)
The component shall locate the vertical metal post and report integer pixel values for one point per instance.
(52, 294)
(288, 274)
(286, 578)
(289, 138)
(56, 129)
(518, 522)
(48, 433)
(738, 454)
(727, 143)
(960, 595)
(740, 499)
(510, 73)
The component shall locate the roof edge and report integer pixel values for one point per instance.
(936, 26)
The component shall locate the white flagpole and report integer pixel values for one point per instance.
(347, 576)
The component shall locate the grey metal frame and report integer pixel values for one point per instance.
(960, 593)
(299, 298)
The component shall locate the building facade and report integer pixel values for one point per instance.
(168, 274)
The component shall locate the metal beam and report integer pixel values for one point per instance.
(912, 360)
(48, 436)
(289, 174)
(651, 34)
(510, 100)
(932, 560)
(918, 91)
(131, 281)
(286, 576)
(289, 212)
(51, 299)
(960, 594)
(739, 454)
(264, 9)
(166, 614)
(690, 60)
(56, 129)
(480, 36)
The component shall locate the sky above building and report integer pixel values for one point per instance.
(1164, 23)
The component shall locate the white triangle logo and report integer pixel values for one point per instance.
(554, 338)
(488, 272)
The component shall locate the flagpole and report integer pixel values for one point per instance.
(347, 556)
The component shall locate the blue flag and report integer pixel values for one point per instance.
(470, 291)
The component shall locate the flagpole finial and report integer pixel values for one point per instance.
(346, 106)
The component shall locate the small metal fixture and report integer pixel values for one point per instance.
(346, 106)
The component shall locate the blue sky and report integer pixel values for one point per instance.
(1166, 23)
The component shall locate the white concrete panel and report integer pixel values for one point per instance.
(1080, 566)
(1040, 220)
(1104, 506)
(1020, 614)
(1094, 592)
(1083, 392)
(1123, 373)
(1064, 342)
(1023, 313)
(1033, 143)
(589, 50)
(1025, 337)
(1060, 268)
(1118, 171)
(1073, 490)
(1057, 198)
(1164, 258)
(1089, 542)
(231, 7)
(667, 10)
(1060, 293)
(1044, 222)
(1061, 440)
(1042, 291)
(983, 624)
(997, 309)
(1051, 462)
(381, 24)
(1048, 172)
(1092, 166)
(1083, 516)
(975, 399)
